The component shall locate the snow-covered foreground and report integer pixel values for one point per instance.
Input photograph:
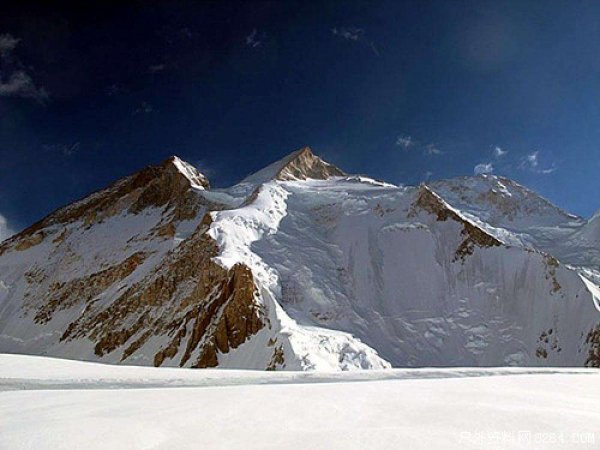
(51, 403)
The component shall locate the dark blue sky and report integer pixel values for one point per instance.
(401, 91)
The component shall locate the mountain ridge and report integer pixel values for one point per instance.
(301, 267)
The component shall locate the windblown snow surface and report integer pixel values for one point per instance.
(50, 403)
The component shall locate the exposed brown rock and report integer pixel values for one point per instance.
(278, 358)
(113, 339)
(135, 345)
(61, 237)
(551, 266)
(303, 165)
(593, 340)
(202, 306)
(167, 230)
(83, 290)
(30, 241)
(170, 351)
(547, 342)
(380, 211)
(240, 317)
(168, 187)
(473, 235)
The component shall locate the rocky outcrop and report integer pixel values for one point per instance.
(473, 236)
(304, 165)
(199, 306)
(62, 295)
(29, 241)
(278, 359)
(299, 165)
(593, 341)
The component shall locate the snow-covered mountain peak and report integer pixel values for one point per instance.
(197, 180)
(300, 267)
(171, 185)
(501, 201)
(302, 164)
(590, 232)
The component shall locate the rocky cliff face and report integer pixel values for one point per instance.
(301, 267)
(299, 165)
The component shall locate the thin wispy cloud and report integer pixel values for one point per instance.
(20, 84)
(499, 152)
(7, 44)
(185, 33)
(531, 162)
(14, 79)
(432, 150)
(144, 108)
(483, 168)
(115, 89)
(254, 39)
(407, 142)
(66, 150)
(355, 34)
(532, 159)
(155, 68)
(547, 171)
(350, 33)
(177, 36)
(70, 150)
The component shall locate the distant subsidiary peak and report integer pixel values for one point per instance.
(500, 201)
(302, 164)
(169, 184)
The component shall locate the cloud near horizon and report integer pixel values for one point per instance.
(5, 230)
(483, 168)
(499, 152)
(432, 149)
(531, 162)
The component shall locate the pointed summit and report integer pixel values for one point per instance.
(196, 179)
(170, 184)
(299, 165)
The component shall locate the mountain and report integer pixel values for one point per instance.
(299, 165)
(302, 267)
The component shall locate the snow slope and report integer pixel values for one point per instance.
(519, 216)
(358, 256)
(74, 406)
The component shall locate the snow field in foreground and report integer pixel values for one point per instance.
(455, 408)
